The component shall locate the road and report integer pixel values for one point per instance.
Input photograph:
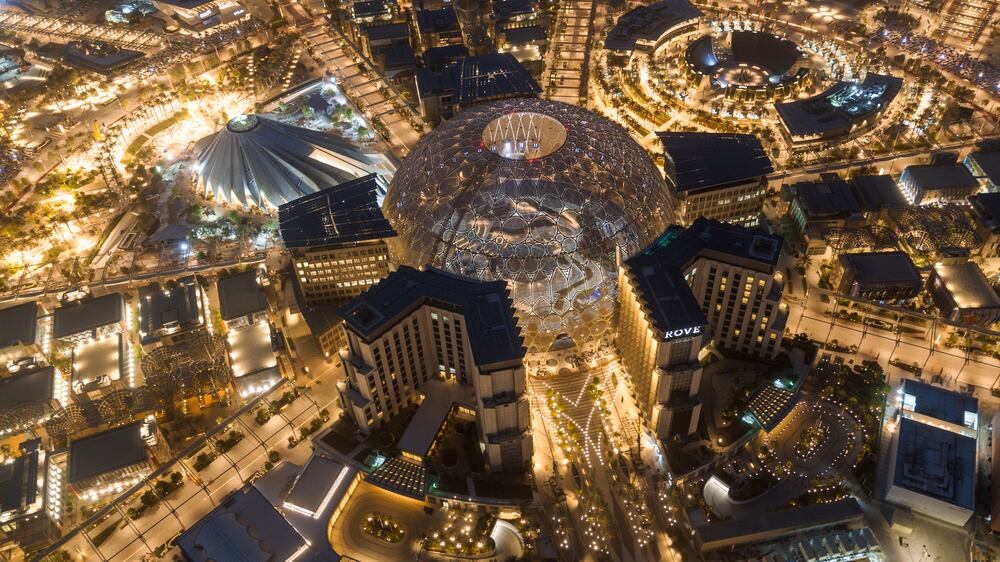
(567, 60)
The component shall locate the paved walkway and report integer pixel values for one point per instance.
(350, 540)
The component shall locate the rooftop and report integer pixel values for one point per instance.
(881, 267)
(18, 482)
(436, 57)
(240, 294)
(33, 387)
(830, 197)
(98, 363)
(986, 207)
(838, 109)
(658, 270)
(437, 21)
(340, 215)
(250, 349)
(107, 451)
(936, 463)
(777, 523)
(967, 285)
(771, 404)
(705, 161)
(370, 9)
(493, 76)
(876, 193)
(938, 403)
(928, 177)
(386, 31)
(88, 315)
(486, 305)
(322, 482)
(987, 165)
(177, 307)
(439, 397)
(649, 23)
(526, 34)
(507, 10)
(19, 324)
(245, 526)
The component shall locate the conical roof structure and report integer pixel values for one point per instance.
(261, 162)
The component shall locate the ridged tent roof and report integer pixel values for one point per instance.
(256, 161)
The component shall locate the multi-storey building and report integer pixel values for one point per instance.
(111, 461)
(710, 282)
(338, 240)
(22, 333)
(89, 319)
(879, 276)
(417, 327)
(168, 311)
(929, 183)
(720, 176)
(986, 214)
(31, 507)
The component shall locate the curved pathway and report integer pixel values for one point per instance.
(349, 539)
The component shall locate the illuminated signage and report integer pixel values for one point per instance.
(682, 332)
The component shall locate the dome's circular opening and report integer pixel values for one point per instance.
(242, 123)
(524, 135)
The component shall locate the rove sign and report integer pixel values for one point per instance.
(681, 332)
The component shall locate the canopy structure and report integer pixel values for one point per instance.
(260, 162)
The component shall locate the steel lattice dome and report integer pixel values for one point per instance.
(538, 193)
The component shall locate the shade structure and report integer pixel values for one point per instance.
(260, 162)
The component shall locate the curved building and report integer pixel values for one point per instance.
(540, 194)
(747, 64)
(261, 162)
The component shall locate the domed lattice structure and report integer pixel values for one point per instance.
(260, 162)
(538, 193)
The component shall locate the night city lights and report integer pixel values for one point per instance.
(499, 280)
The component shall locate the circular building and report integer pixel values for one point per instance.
(540, 194)
(748, 65)
(259, 162)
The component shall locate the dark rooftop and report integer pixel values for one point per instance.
(658, 270)
(240, 294)
(370, 9)
(988, 164)
(521, 35)
(882, 267)
(246, 527)
(437, 21)
(936, 463)
(829, 197)
(397, 56)
(18, 482)
(876, 193)
(705, 161)
(390, 31)
(489, 314)
(19, 324)
(32, 387)
(161, 307)
(493, 76)
(106, 451)
(338, 215)
(927, 177)
(836, 110)
(437, 57)
(507, 10)
(727, 532)
(938, 403)
(88, 315)
(986, 206)
(648, 23)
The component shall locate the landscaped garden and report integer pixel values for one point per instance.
(383, 527)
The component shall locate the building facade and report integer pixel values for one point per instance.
(338, 239)
(417, 326)
(712, 282)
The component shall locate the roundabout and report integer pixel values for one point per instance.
(816, 440)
